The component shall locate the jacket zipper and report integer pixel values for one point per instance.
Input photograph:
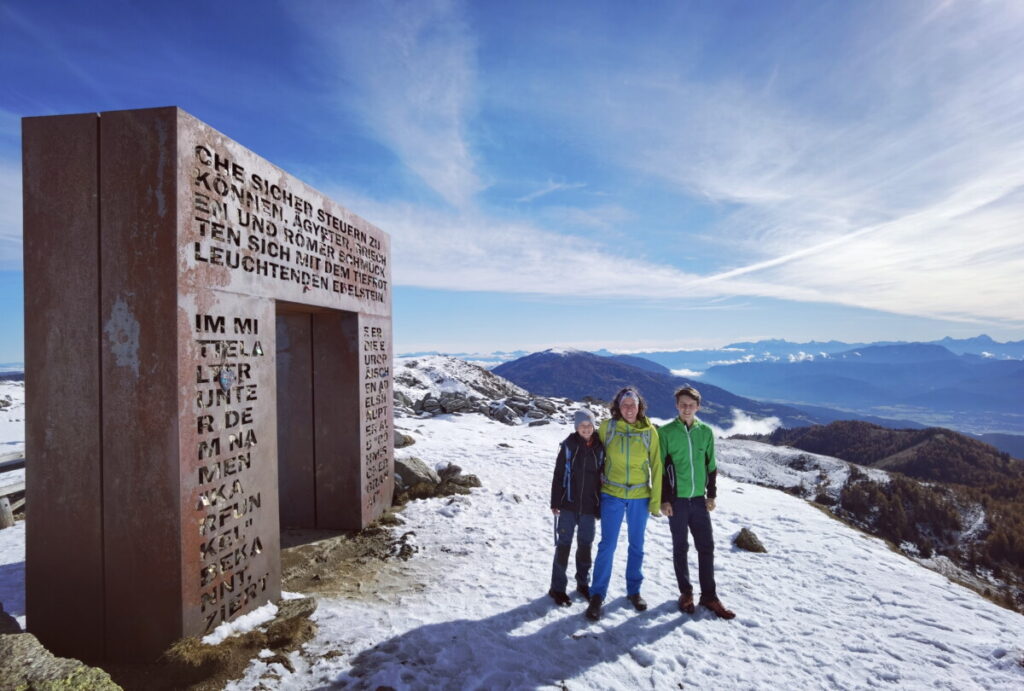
(689, 442)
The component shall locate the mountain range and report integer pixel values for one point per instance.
(580, 375)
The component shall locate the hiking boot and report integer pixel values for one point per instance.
(584, 590)
(638, 602)
(718, 608)
(594, 608)
(686, 605)
(560, 598)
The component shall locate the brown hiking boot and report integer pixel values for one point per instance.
(718, 608)
(686, 605)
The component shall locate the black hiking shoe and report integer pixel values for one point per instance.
(638, 602)
(560, 598)
(594, 608)
(584, 590)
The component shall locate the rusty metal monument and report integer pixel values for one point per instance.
(208, 358)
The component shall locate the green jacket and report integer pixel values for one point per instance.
(693, 455)
(632, 461)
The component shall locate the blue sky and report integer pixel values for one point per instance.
(657, 174)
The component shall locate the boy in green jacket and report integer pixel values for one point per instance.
(688, 451)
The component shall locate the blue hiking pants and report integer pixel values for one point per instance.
(582, 524)
(613, 510)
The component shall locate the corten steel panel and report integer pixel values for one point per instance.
(228, 434)
(139, 350)
(337, 414)
(64, 555)
(377, 410)
(296, 477)
(193, 240)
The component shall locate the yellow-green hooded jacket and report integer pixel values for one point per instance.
(632, 462)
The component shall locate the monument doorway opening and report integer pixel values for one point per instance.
(318, 454)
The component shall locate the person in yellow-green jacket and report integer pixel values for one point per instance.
(630, 489)
(688, 451)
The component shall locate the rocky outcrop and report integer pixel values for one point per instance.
(440, 385)
(26, 664)
(445, 481)
(411, 471)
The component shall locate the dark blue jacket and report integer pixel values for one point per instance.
(576, 485)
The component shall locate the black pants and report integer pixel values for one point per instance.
(691, 516)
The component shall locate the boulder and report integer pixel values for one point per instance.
(429, 404)
(534, 414)
(26, 664)
(454, 402)
(402, 399)
(411, 471)
(403, 440)
(746, 539)
(502, 413)
(518, 406)
(545, 405)
(538, 423)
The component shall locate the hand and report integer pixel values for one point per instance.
(666, 509)
(710, 503)
(554, 512)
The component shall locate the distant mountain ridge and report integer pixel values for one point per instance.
(932, 454)
(882, 377)
(578, 374)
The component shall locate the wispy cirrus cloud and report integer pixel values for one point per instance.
(10, 215)
(549, 187)
(885, 175)
(408, 70)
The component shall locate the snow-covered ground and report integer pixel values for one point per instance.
(826, 607)
(12, 418)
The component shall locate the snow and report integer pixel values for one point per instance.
(242, 624)
(12, 570)
(826, 606)
(12, 419)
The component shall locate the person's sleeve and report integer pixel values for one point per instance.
(558, 478)
(668, 484)
(656, 472)
(712, 469)
(602, 432)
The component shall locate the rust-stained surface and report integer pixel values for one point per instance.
(64, 550)
(215, 303)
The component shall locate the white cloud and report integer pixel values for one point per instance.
(686, 372)
(888, 177)
(408, 69)
(10, 215)
(550, 187)
(743, 423)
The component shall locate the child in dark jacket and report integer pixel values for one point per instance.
(576, 503)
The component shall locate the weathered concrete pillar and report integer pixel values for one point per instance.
(172, 278)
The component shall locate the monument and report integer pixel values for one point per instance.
(208, 358)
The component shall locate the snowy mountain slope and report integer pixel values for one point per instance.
(827, 606)
(783, 467)
(437, 374)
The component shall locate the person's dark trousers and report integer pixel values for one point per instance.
(583, 525)
(691, 515)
